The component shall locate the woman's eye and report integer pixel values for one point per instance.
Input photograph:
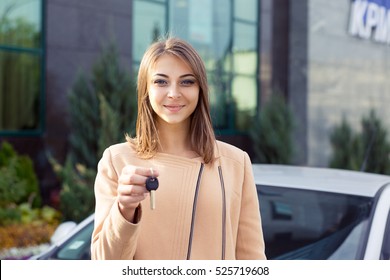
(160, 82)
(188, 82)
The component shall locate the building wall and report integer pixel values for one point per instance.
(347, 76)
(298, 77)
(76, 33)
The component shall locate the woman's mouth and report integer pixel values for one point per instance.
(174, 108)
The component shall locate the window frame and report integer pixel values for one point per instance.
(40, 52)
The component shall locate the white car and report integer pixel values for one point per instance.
(307, 213)
(323, 213)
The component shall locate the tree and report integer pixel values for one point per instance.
(271, 132)
(102, 110)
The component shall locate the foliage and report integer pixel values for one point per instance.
(368, 150)
(83, 105)
(22, 235)
(23, 220)
(76, 196)
(271, 132)
(25, 214)
(18, 181)
(346, 147)
(102, 110)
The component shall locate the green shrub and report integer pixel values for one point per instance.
(18, 181)
(367, 151)
(347, 150)
(271, 132)
(76, 196)
(23, 222)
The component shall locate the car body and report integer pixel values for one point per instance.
(307, 213)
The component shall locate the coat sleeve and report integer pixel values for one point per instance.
(113, 237)
(250, 240)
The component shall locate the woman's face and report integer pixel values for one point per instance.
(173, 90)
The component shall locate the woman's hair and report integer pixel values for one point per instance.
(201, 132)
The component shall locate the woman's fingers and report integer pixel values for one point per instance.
(131, 190)
(131, 187)
(141, 171)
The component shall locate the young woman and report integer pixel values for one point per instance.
(206, 202)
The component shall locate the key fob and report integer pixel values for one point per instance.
(151, 183)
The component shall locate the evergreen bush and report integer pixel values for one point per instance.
(271, 132)
(102, 110)
(76, 196)
(18, 181)
(367, 151)
(347, 150)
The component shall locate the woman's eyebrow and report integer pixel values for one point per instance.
(166, 76)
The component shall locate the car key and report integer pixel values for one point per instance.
(151, 186)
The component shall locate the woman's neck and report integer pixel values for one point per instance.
(175, 140)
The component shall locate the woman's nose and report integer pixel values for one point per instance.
(174, 91)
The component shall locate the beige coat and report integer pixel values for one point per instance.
(202, 211)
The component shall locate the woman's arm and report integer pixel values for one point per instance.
(250, 240)
(113, 236)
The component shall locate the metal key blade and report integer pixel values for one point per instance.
(152, 200)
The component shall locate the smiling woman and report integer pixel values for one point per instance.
(207, 203)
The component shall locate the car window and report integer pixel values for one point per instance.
(304, 224)
(78, 246)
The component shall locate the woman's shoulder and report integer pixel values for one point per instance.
(124, 148)
(226, 150)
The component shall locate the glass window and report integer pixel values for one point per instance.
(246, 10)
(245, 98)
(21, 63)
(149, 24)
(302, 224)
(224, 32)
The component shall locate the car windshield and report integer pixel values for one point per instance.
(78, 246)
(304, 224)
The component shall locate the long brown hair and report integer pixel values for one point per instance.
(201, 130)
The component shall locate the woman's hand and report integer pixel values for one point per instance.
(132, 190)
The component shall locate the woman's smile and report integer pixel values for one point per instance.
(174, 108)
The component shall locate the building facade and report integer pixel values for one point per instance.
(329, 58)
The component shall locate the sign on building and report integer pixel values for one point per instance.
(370, 19)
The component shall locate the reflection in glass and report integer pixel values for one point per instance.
(246, 10)
(20, 23)
(20, 65)
(149, 25)
(305, 224)
(245, 97)
(19, 91)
